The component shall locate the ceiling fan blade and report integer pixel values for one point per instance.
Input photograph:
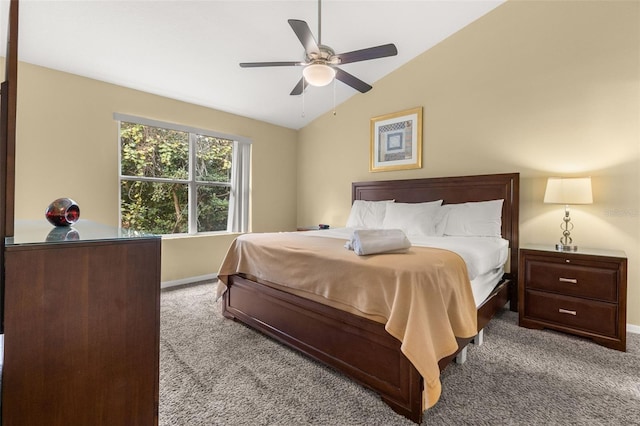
(369, 53)
(270, 64)
(299, 88)
(352, 81)
(304, 35)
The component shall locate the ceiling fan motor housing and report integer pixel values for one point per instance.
(326, 56)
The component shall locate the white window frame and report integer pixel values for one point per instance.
(238, 216)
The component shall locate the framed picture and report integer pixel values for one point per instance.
(396, 141)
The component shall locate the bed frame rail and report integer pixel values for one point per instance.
(358, 347)
(355, 346)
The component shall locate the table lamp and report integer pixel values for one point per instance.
(568, 191)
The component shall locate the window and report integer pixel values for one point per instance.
(175, 179)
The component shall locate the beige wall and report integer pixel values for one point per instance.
(67, 146)
(541, 88)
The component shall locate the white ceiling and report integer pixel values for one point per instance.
(190, 50)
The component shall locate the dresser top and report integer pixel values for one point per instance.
(581, 250)
(42, 232)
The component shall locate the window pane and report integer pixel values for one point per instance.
(213, 159)
(159, 208)
(213, 208)
(153, 152)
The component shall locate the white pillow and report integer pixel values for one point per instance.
(474, 219)
(413, 218)
(367, 214)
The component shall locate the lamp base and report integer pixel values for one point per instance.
(565, 247)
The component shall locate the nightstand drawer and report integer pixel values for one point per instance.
(583, 314)
(573, 280)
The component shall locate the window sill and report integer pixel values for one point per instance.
(199, 235)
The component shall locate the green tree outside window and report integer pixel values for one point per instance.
(161, 167)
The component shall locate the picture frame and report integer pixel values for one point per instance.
(396, 141)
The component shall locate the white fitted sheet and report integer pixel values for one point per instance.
(484, 284)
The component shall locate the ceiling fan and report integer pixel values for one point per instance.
(321, 62)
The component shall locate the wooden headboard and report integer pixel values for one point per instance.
(452, 190)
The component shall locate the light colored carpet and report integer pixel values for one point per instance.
(214, 371)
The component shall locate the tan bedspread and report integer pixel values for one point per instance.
(423, 296)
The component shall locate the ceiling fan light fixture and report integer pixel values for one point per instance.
(318, 74)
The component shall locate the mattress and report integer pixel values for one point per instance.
(484, 257)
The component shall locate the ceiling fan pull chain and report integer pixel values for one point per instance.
(334, 96)
(303, 87)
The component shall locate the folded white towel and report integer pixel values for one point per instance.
(371, 241)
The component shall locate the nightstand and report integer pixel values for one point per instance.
(312, 228)
(582, 293)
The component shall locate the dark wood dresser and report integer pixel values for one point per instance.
(81, 326)
(583, 293)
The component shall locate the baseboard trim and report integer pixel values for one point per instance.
(633, 328)
(189, 280)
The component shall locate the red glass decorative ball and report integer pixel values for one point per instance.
(63, 212)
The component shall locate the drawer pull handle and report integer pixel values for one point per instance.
(568, 280)
(566, 311)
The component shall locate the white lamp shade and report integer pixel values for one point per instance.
(318, 74)
(568, 191)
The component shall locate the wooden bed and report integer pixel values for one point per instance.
(356, 346)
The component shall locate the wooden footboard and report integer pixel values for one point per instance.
(356, 346)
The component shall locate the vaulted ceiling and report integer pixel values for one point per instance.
(190, 50)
